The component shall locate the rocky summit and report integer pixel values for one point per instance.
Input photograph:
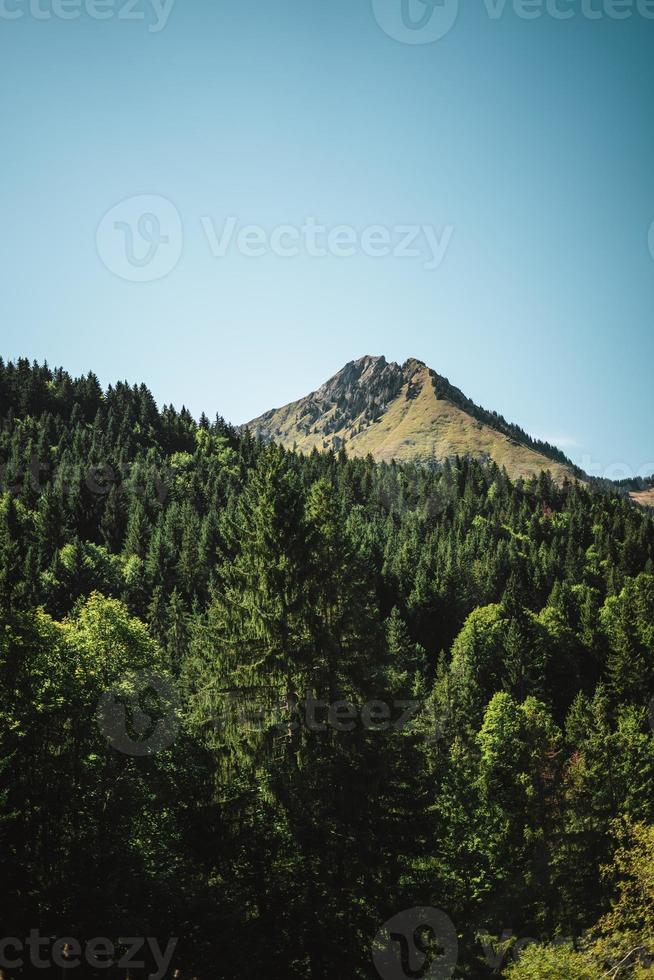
(408, 413)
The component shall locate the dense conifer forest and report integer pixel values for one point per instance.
(264, 702)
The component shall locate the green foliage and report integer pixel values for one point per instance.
(552, 963)
(621, 943)
(513, 619)
(628, 621)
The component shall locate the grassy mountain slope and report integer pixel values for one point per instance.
(644, 497)
(407, 413)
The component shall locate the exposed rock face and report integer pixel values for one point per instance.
(404, 412)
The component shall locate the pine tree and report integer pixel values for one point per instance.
(10, 555)
(112, 523)
(138, 530)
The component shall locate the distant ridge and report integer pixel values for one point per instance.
(409, 413)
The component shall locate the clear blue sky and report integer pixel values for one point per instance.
(531, 139)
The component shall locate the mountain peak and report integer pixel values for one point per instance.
(379, 361)
(405, 412)
(369, 360)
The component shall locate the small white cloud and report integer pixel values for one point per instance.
(563, 442)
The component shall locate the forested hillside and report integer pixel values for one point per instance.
(366, 688)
